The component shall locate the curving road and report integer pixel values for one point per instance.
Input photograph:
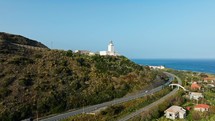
(116, 101)
(154, 103)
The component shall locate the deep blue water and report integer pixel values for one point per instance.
(207, 66)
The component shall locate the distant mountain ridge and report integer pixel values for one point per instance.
(18, 39)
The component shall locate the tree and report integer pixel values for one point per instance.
(69, 53)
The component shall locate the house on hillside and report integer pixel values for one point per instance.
(195, 95)
(175, 112)
(210, 85)
(209, 79)
(202, 107)
(195, 86)
(157, 67)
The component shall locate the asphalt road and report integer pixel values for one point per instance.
(127, 117)
(116, 101)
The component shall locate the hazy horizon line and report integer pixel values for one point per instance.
(172, 58)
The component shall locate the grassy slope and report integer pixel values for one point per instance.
(18, 39)
(52, 81)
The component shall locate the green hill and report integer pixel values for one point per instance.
(18, 39)
(52, 81)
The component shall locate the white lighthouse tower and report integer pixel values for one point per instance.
(110, 51)
(111, 48)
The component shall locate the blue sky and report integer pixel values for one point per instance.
(138, 28)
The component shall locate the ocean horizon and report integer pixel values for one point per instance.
(196, 65)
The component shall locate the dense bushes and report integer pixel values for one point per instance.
(25, 82)
(21, 61)
(113, 110)
(8, 81)
(69, 53)
(55, 80)
(4, 92)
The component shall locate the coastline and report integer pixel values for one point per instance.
(194, 65)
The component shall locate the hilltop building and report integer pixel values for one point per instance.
(111, 51)
(85, 52)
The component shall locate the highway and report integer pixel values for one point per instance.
(113, 102)
(127, 117)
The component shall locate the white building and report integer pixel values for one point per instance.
(195, 95)
(175, 112)
(85, 52)
(103, 53)
(157, 67)
(110, 51)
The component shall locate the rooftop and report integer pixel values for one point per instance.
(196, 93)
(195, 85)
(202, 106)
(209, 78)
(175, 109)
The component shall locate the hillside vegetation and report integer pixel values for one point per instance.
(46, 81)
(18, 39)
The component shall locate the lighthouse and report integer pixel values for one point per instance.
(110, 51)
(111, 47)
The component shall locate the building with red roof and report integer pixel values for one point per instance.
(195, 86)
(209, 79)
(202, 107)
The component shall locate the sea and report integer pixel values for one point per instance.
(196, 65)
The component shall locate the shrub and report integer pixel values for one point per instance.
(25, 82)
(69, 53)
(38, 56)
(2, 75)
(63, 63)
(7, 81)
(113, 110)
(21, 61)
(4, 92)
(196, 115)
